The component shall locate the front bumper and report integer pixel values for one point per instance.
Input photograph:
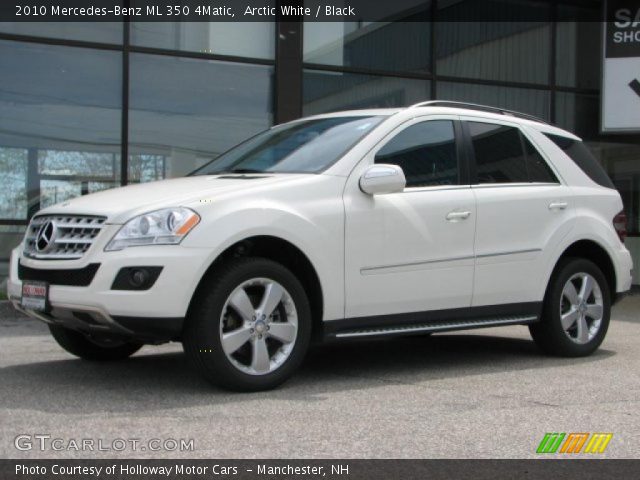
(94, 321)
(152, 315)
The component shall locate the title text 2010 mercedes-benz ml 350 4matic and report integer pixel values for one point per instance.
(437, 217)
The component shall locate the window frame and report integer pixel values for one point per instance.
(461, 157)
(473, 166)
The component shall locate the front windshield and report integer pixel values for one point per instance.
(308, 146)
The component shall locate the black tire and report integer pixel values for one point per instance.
(549, 334)
(101, 350)
(201, 337)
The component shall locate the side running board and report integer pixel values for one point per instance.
(442, 326)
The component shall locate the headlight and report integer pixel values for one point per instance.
(162, 227)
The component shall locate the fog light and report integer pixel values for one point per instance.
(136, 278)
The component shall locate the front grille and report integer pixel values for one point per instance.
(61, 237)
(77, 277)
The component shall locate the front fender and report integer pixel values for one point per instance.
(320, 238)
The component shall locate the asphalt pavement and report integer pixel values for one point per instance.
(485, 393)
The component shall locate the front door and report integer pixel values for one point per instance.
(412, 251)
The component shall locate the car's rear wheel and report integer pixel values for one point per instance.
(250, 327)
(576, 310)
(96, 348)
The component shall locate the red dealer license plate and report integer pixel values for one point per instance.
(34, 296)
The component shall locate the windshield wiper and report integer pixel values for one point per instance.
(233, 171)
(244, 170)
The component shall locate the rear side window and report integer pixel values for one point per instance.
(504, 155)
(537, 167)
(580, 154)
(426, 152)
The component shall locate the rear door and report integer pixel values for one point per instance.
(522, 211)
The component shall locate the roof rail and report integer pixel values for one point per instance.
(481, 108)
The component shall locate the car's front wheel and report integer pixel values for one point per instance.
(97, 348)
(250, 326)
(576, 310)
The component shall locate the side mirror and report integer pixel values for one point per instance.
(382, 178)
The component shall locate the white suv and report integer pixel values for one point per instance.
(437, 217)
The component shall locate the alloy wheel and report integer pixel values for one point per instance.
(258, 326)
(581, 308)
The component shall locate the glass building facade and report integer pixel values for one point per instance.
(90, 106)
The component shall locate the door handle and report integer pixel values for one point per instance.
(558, 205)
(455, 216)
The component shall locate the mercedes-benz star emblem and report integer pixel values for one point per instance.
(46, 236)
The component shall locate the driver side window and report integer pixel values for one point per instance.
(426, 152)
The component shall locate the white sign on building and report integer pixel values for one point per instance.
(621, 67)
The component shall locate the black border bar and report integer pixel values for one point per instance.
(343, 469)
(270, 10)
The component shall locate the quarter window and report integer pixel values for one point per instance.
(504, 155)
(580, 154)
(426, 152)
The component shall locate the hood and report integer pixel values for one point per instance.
(121, 204)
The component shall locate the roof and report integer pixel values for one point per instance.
(457, 108)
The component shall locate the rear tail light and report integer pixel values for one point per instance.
(620, 225)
